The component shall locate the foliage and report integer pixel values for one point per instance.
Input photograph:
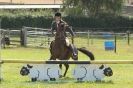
(43, 18)
(26, 12)
(93, 7)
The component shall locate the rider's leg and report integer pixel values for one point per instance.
(72, 48)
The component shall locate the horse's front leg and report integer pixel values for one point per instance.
(67, 67)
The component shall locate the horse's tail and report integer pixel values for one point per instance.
(87, 52)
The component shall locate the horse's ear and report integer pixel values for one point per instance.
(29, 66)
(101, 67)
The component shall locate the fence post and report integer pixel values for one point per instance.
(0, 52)
(91, 37)
(115, 50)
(23, 37)
(128, 37)
(88, 37)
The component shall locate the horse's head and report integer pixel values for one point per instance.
(61, 31)
(61, 27)
(25, 70)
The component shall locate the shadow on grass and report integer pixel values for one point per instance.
(69, 80)
(102, 82)
(60, 81)
(11, 47)
(28, 47)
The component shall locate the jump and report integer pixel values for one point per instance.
(60, 48)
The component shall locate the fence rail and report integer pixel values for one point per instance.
(68, 62)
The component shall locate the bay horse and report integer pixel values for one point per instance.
(59, 49)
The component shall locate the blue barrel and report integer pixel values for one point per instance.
(109, 45)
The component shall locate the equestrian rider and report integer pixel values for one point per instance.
(54, 26)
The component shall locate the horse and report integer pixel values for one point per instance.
(5, 41)
(59, 49)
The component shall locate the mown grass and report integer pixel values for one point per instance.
(122, 77)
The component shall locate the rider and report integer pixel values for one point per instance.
(54, 26)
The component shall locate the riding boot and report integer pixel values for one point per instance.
(74, 50)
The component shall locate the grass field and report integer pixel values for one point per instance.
(122, 77)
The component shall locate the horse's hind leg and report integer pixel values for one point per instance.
(67, 67)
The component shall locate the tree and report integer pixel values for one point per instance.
(92, 7)
(73, 7)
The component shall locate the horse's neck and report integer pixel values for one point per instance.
(60, 35)
(60, 43)
(59, 40)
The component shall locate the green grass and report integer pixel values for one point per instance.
(122, 77)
